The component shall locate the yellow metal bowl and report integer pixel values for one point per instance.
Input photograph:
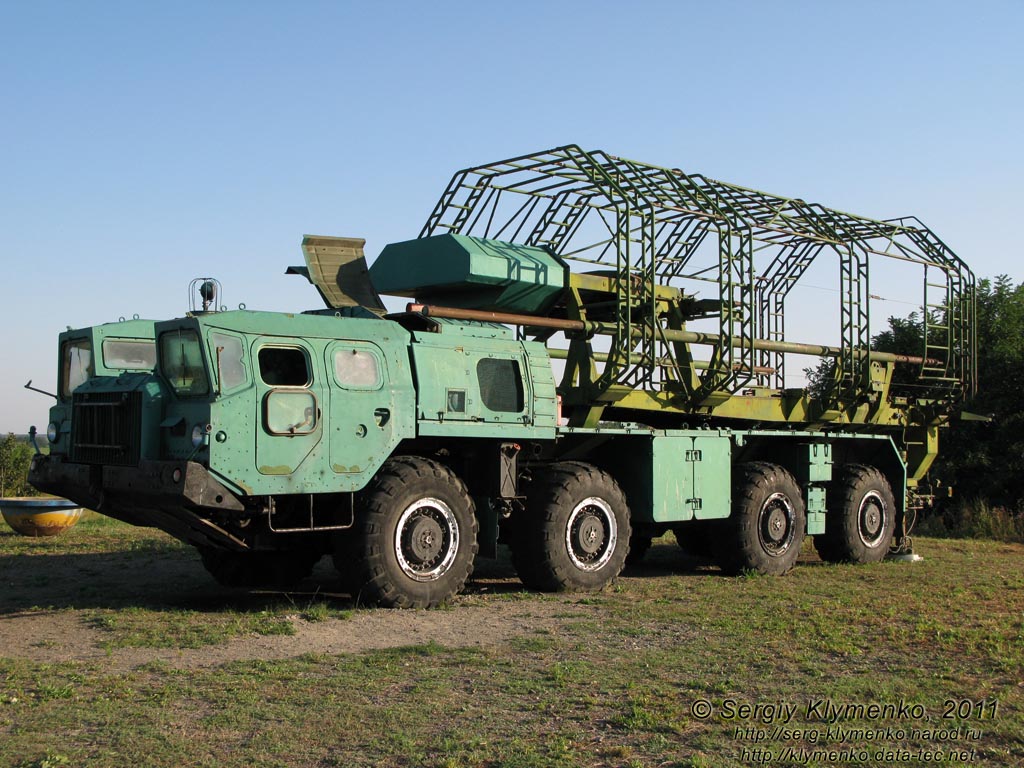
(31, 516)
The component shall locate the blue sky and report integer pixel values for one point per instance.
(144, 144)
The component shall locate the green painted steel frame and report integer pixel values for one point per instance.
(644, 224)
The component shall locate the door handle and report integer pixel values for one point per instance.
(382, 416)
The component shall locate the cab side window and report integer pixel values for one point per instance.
(357, 368)
(292, 409)
(227, 352)
(284, 367)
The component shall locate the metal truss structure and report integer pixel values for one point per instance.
(657, 233)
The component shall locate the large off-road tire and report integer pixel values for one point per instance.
(575, 532)
(415, 539)
(701, 539)
(768, 521)
(258, 569)
(860, 517)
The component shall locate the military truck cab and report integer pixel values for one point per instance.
(109, 350)
(256, 431)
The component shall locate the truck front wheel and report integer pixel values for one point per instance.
(575, 533)
(416, 540)
(768, 521)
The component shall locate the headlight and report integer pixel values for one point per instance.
(199, 435)
(52, 431)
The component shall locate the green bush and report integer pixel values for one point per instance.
(15, 457)
(973, 519)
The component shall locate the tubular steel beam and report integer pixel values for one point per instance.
(686, 337)
(558, 353)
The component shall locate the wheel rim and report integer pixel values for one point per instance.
(871, 519)
(777, 524)
(591, 534)
(426, 539)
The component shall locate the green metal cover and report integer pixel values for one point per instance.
(471, 273)
(678, 475)
(337, 267)
(816, 509)
(451, 396)
(818, 469)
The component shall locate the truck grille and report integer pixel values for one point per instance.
(106, 428)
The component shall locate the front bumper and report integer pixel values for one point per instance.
(151, 483)
(174, 496)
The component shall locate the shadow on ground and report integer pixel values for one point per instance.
(172, 577)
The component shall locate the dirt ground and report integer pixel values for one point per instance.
(63, 635)
(49, 601)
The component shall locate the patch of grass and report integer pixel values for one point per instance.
(406, 651)
(93, 534)
(638, 716)
(143, 628)
(616, 688)
(50, 760)
(321, 610)
(47, 692)
(566, 673)
(537, 643)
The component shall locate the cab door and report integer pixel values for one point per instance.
(362, 406)
(289, 395)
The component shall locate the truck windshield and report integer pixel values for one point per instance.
(129, 354)
(181, 362)
(76, 365)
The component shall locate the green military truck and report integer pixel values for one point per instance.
(594, 353)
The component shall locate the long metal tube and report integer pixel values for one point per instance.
(685, 337)
(563, 354)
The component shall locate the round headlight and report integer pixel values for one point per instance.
(52, 431)
(198, 435)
